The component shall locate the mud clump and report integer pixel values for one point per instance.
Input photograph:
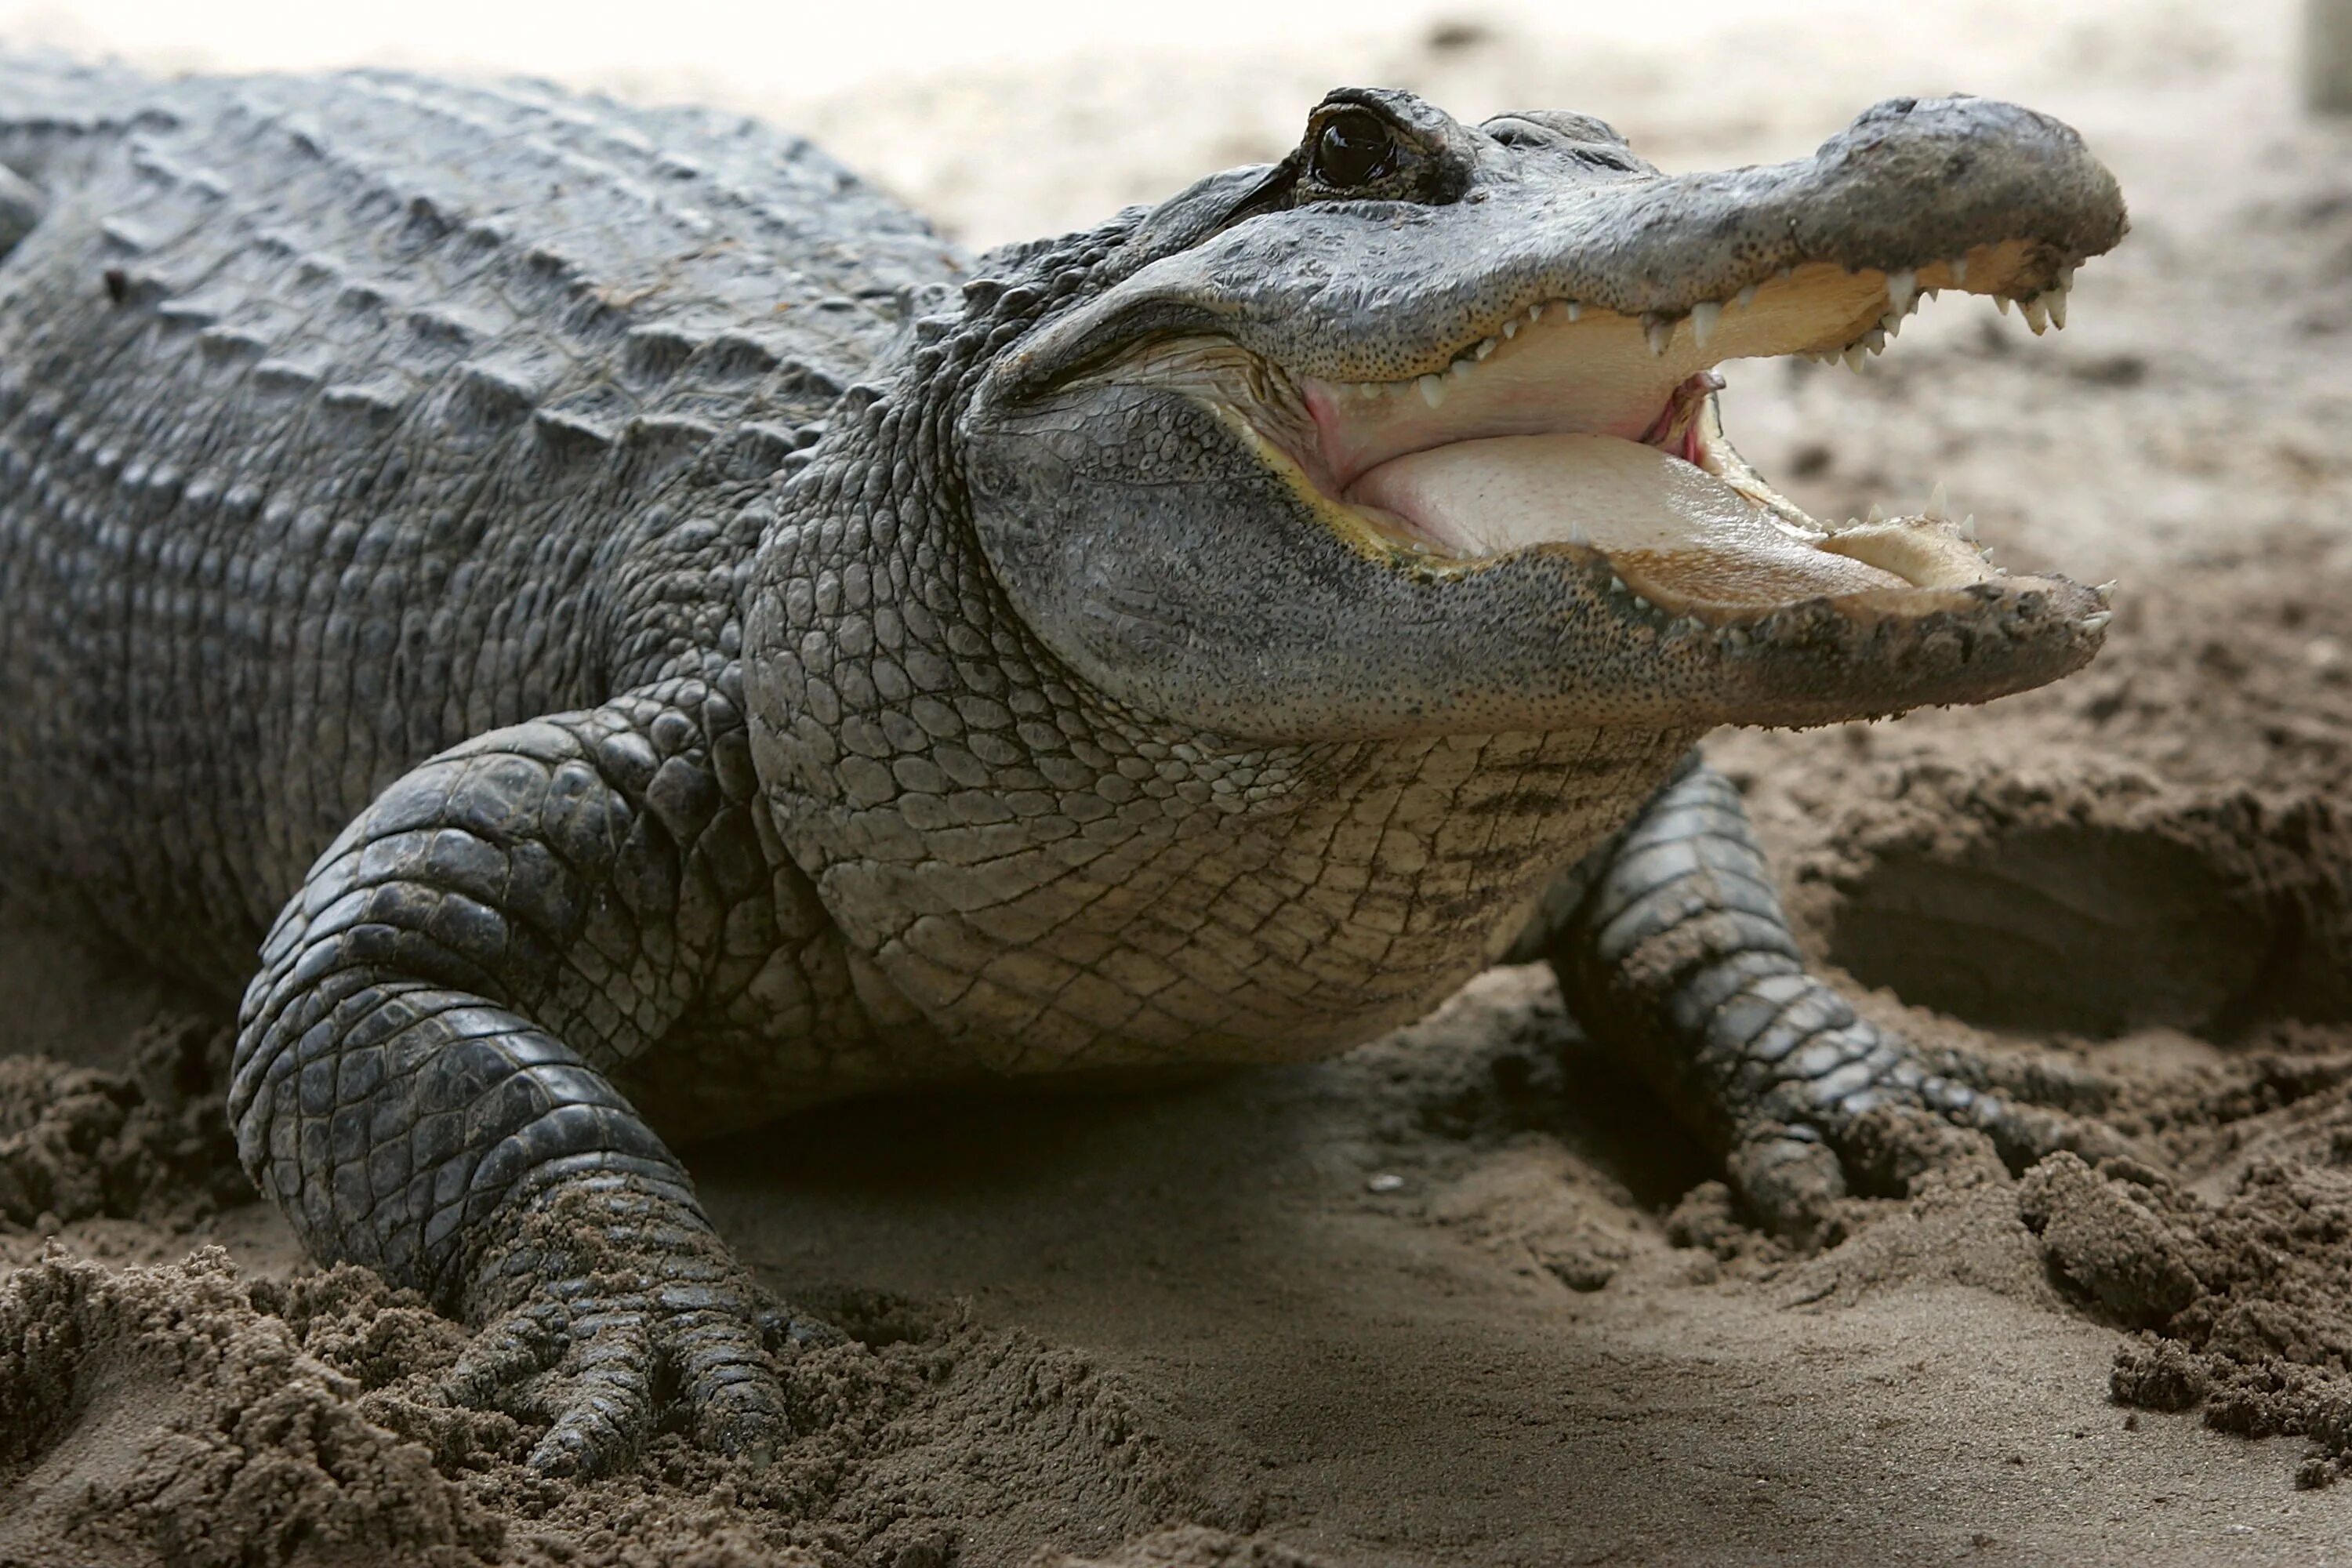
(2245, 1308)
(149, 1143)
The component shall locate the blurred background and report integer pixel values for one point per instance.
(1019, 115)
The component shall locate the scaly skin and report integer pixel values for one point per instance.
(640, 635)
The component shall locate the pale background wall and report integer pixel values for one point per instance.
(757, 45)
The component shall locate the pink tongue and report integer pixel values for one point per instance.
(1472, 499)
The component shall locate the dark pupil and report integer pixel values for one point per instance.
(1354, 148)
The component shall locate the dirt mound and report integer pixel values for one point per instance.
(149, 1143)
(2098, 908)
(2245, 1307)
(184, 1415)
(954, 1444)
(156, 1415)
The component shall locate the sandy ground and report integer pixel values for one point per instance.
(1463, 1298)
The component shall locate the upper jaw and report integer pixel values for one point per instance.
(1565, 364)
(1954, 193)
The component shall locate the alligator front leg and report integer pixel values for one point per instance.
(1673, 951)
(420, 1076)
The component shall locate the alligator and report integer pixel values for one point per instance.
(599, 626)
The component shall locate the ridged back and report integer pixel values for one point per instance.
(338, 416)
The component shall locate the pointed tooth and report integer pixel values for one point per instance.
(1853, 356)
(1968, 529)
(1511, 328)
(1661, 335)
(1875, 341)
(1744, 298)
(1958, 267)
(1457, 370)
(1575, 313)
(1433, 389)
(1891, 325)
(2001, 303)
(1938, 502)
(2057, 301)
(1486, 346)
(2037, 314)
(1877, 513)
(2106, 592)
(1535, 313)
(1902, 288)
(2096, 621)
(1702, 319)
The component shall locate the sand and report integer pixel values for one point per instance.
(1464, 1297)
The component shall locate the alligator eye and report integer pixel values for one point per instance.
(1355, 149)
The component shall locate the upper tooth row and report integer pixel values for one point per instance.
(1903, 295)
(2047, 308)
(2042, 312)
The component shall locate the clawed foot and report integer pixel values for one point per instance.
(1872, 1115)
(632, 1316)
(1676, 953)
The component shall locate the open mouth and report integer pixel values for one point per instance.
(1578, 427)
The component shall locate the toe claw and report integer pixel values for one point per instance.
(744, 1417)
(782, 1331)
(511, 1350)
(730, 1384)
(1789, 1176)
(608, 1409)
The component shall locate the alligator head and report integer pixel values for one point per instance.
(1417, 431)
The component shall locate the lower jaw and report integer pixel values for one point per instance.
(1932, 574)
(1680, 519)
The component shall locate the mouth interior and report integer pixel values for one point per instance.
(1577, 427)
(1654, 513)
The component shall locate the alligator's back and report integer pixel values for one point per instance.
(336, 420)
